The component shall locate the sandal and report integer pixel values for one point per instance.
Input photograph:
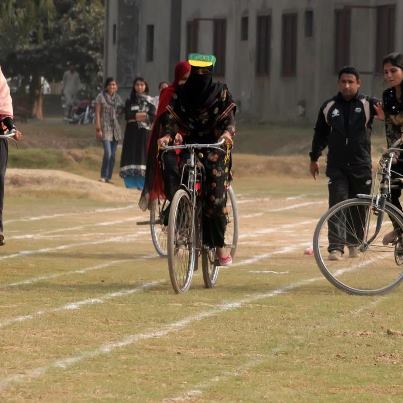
(225, 261)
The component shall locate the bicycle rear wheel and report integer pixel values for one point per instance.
(159, 231)
(349, 227)
(181, 248)
(231, 232)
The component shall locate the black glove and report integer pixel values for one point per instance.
(9, 123)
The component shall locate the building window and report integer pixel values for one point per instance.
(150, 43)
(244, 28)
(263, 44)
(385, 33)
(308, 23)
(289, 45)
(342, 38)
(219, 45)
(192, 36)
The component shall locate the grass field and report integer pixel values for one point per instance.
(87, 312)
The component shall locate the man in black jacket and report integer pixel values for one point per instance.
(344, 125)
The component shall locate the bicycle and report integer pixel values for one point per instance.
(184, 238)
(361, 224)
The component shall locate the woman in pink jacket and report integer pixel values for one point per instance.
(7, 123)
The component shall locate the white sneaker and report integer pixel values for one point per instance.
(335, 255)
(353, 251)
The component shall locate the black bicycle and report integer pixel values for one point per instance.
(184, 237)
(371, 229)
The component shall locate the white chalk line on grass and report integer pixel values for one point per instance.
(197, 390)
(78, 304)
(76, 228)
(118, 239)
(294, 206)
(45, 217)
(165, 330)
(36, 279)
(268, 272)
(274, 229)
(301, 196)
(51, 276)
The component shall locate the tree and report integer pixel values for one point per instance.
(39, 38)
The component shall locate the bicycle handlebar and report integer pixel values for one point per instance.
(8, 134)
(195, 145)
(393, 147)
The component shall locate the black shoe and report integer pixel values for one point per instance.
(165, 215)
(2, 241)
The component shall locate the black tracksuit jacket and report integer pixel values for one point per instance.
(345, 128)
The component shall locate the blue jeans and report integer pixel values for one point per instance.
(108, 161)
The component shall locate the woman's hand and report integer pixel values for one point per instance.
(141, 116)
(164, 141)
(178, 139)
(98, 133)
(18, 136)
(227, 138)
(380, 114)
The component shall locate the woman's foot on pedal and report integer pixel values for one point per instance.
(224, 259)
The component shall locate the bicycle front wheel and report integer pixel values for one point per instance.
(231, 231)
(159, 229)
(181, 238)
(363, 265)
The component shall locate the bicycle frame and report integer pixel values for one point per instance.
(379, 199)
(195, 175)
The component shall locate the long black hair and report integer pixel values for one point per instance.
(395, 59)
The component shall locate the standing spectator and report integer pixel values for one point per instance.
(393, 114)
(140, 113)
(71, 87)
(6, 117)
(344, 125)
(161, 86)
(108, 105)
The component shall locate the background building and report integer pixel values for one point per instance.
(279, 58)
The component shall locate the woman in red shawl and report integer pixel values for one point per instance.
(153, 186)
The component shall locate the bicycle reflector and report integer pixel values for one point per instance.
(200, 60)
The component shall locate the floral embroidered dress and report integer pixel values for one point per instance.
(204, 123)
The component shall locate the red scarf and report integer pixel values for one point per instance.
(154, 186)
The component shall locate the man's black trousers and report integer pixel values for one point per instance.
(345, 183)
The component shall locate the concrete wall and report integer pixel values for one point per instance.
(268, 98)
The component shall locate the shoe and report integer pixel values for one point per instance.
(2, 241)
(335, 255)
(225, 261)
(353, 251)
(109, 181)
(102, 180)
(390, 237)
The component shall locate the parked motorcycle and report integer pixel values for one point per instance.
(82, 113)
